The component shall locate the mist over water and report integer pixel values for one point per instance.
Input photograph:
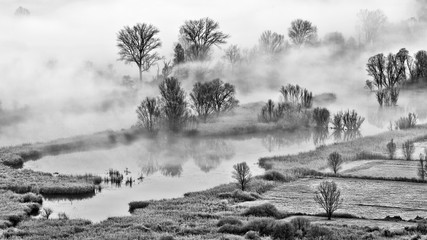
(59, 67)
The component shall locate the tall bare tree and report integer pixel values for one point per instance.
(328, 196)
(272, 43)
(302, 32)
(371, 24)
(137, 44)
(198, 36)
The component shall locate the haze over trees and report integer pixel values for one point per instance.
(137, 45)
(271, 43)
(302, 32)
(198, 37)
(371, 24)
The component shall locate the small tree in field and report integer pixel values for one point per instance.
(47, 212)
(391, 148)
(328, 196)
(408, 149)
(242, 174)
(148, 114)
(335, 161)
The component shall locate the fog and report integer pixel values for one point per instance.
(59, 65)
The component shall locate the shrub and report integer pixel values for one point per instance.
(264, 226)
(407, 122)
(328, 196)
(301, 224)
(263, 210)
(408, 149)
(229, 221)
(335, 161)
(318, 232)
(391, 148)
(321, 117)
(63, 216)
(137, 205)
(97, 180)
(348, 121)
(166, 238)
(242, 174)
(32, 197)
(252, 235)
(283, 231)
(12, 160)
(275, 176)
(422, 228)
(297, 95)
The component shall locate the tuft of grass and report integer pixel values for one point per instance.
(138, 205)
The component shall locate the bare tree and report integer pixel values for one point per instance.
(272, 43)
(179, 55)
(174, 106)
(47, 212)
(302, 32)
(223, 96)
(148, 114)
(137, 45)
(335, 161)
(371, 24)
(199, 36)
(21, 11)
(232, 54)
(328, 196)
(242, 174)
(202, 100)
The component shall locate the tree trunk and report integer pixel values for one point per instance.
(140, 75)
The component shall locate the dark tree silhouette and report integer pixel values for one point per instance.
(47, 212)
(421, 65)
(391, 148)
(422, 168)
(179, 55)
(137, 44)
(242, 174)
(302, 32)
(335, 161)
(148, 114)
(371, 24)
(272, 43)
(223, 96)
(202, 100)
(328, 196)
(408, 149)
(199, 36)
(174, 106)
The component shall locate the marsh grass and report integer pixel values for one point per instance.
(406, 122)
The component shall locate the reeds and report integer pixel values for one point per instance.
(407, 122)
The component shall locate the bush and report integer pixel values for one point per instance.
(229, 221)
(12, 160)
(283, 231)
(407, 122)
(137, 205)
(301, 224)
(318, 232)
(422, 228)
(264, 226)
(63, 216)
(264, 210)
(97, 180)
(348, 121)
(408, 149)
(231, 229)
(252, 235)
(32, 197)
(391, 148)
(275, 176)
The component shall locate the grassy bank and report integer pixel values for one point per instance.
(371, 147)
(17, 207)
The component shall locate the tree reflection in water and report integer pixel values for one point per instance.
(281, 139)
